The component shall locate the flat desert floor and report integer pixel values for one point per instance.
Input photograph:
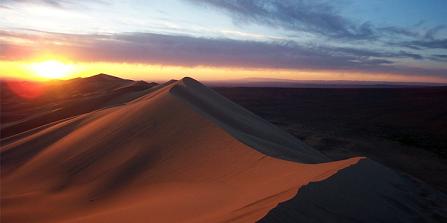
(403, 128)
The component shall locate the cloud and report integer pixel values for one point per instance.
(322, 18)
(150, 48)
(428, 44)
(191, 51)
(62, 4)
(398, 31)
(405, 54)
(430, 40)
(300, 15)
(439, 57)
(373, 53)
(432, 32)
(54, 3)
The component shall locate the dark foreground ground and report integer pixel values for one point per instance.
(404, 128)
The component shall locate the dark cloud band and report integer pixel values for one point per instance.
(153, 48)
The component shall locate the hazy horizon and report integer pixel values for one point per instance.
(268, 82)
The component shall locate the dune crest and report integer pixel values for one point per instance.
(244, 125)
(180, 153)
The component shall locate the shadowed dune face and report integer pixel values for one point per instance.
(365, 192)
(171, 155)
(244, 125)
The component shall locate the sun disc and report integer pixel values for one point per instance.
(51, 69)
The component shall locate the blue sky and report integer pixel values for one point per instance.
(406, 38)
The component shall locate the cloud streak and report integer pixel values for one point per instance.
(322, 18)
(300, 15)
(425, 44)
(53, 3)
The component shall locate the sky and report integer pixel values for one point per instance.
(376, 40)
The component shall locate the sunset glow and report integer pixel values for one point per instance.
(160, 73)
(162, 40)
(51, 69)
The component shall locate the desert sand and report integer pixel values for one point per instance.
(158, 158)
(179, 152)
(27, 105)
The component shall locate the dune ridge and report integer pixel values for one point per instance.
(180, 153)
(244, 125)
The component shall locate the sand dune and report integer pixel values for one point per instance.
(245, 126)
(179, 152)
(365, 192)
(27, 105)
(155, 159)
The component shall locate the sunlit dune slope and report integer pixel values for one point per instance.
(180, 153)
(27, 105)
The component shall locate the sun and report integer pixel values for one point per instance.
(51, 69)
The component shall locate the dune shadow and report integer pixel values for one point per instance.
(12, 159)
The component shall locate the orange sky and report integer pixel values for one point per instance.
(162, 40)
(25, 53)
(24, 70)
